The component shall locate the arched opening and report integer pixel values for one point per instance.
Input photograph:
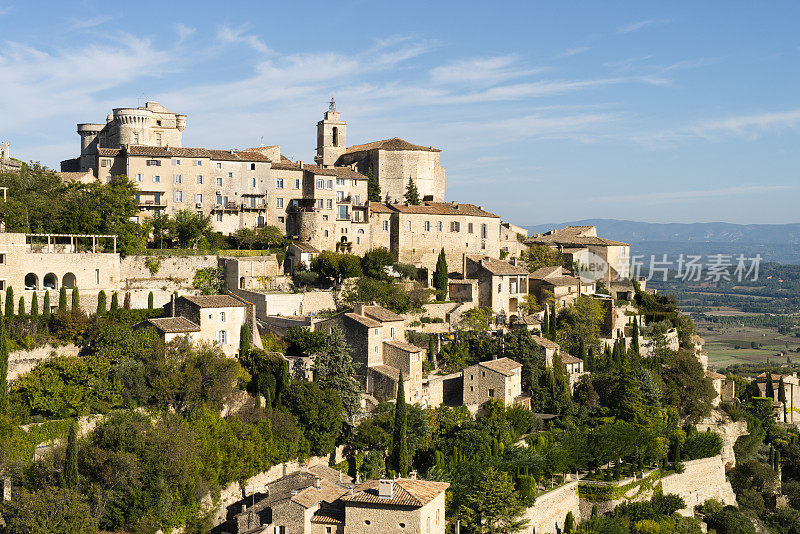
(241, 282)
(50, 281)
(335, 136)
(69, 281)
(31, 282)
(344, 240)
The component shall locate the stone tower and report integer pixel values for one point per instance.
(331, 137)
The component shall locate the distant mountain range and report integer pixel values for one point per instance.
(775, 242)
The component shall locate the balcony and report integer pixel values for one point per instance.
(152, 203)
(246, 206)
(226, 206)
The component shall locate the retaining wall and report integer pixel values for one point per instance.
(551, 508)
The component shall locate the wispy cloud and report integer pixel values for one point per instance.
(748, 125)
(572, 52)
(636, 26)
(184, 31)
(229, 35)
(678, 196)
(481, 70)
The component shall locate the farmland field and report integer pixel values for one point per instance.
(728, 345)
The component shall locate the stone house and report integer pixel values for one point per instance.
(252, 272)
(723, 387)
(376, 337)
(215, 319)
(792, 391)
(501, 286)
(300, 253)
(499, 379)
(557, 285)
(574, 367)
(462, 291)
(547, 348)
(511, 240)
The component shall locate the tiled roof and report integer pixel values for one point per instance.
(173, 325)
(327, 492)
(561, 281)
(402, 345)
(304, 247)
(495, 266)
(189, 152)
(366, 321)
(504, 366)
(568, 358)
(406, 492)
(387, 370)
(713, 375)
(544, 342)
(433, 208)
(529, 319)
(328, 516)
(286, 166)
(545, 272)
(214, 301)
(108, 151)
(339, 172)
(395, 143)
(379, 313)
(329, 473)
(573, 235)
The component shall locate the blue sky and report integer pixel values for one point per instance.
(545, 111)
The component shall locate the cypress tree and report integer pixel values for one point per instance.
(46, 305)
(10, 302)
(770, 390)
(101, 303)
(21, 309)
(126, 302)
(595, 513)
(781, 391)
(70, 476)
(373, 187)
(150, 301)
(412, 194)
(244, 340)
(635, 340)
(440, 277)
(400, 456)
(432, 350)
(590, 360)
(34, 305)
(553, 323)
(569, 523)
(3, 370)
(76, 299)
(114, 301)
(62, 299)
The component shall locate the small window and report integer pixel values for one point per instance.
(427, 226)
(408, 226)
(252, 182)
(178, 178)
(491, 393)
(297, 183)
(176, 162)
(178, 196)
(222, 336)
(402, 525)
(219, 165)
(278, 202)
(469, 228)
(367, 522)
(2, 259)
(154, 163)
(230, 175)
(281, 219)
(439, 226)
(385, 226)
(199, 179)
(219, 216)
(198, 163)
(198, 198)
(328, 530)
(140, 177)
(156, 179)
(329, 204)
(320, 184)
(329, 184)
(219, 182)
(222, 316)
(252, 166)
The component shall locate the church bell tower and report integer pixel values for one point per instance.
(331, 137)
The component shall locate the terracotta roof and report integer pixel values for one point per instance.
(505, 366)
(327, 492)
(572, 239)
(190, 152)
(304, 247)
(366, 321)
(173, 325)
(495, 266)
(339, 172)
(568, 358)
(561, 281)
(108, 151)
(395, 143)
(405, 492)
(545, 272)
(387, 370)
(528, 319)
(713, 375)
(544, 342)
(402, 345)
(433, 208)
(214, 301)
(329, 473)
(328, 516)
(379, 313)
(286, 166)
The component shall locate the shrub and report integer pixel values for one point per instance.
(702, 445)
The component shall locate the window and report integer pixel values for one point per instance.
(385, 226)
(158, 138)
(491, 392)
(219, 165)
(199, 179)
(252, 182)
(140, 177)
(469, 228)
(320, 203)
(328, 530)
(320, 183)
(340, 181)
(176, 162)
(158, 123)
(483, 231)
(342, 213)
(219, 216)
(252, 166)
(222, 336)
(340, 196)
(329, 204)
(326, 233)
(455, 226)
(415, 358)
(135, 138)
(357, 200)
(2, 259)
(297, 183)
(278, 202)
(178, 196)
(281, 219)
(230, 175)
(153, 163)
(439, 226)
(367, 522)
(408, 226)
(278, 183)
(356, 216)
(198, 198)
(355, 182)
(358, 240)
(198, 163)
(222, 316)
(219, 182)
(219, 199)
(437, 517)
(427, 226)
(106, 162)
(325, 218)
(499, 288)
(178, 178)
(328, 184)
(402, 525)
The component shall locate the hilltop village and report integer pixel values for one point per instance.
(206, 339)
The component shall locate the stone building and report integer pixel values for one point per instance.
(501, 286)
(512, 239)
(557, 285)
(499, 379)
(7, 163)
(791, 389)
(376, 336)
(215, 319)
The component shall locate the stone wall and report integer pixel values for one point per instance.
(288, 303)
(701, 480)
(551, 508)
(173, 269)
(730, 431)
(22, 361)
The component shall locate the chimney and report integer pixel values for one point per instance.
(317, 482)
(358, 308)
(386, 488)
(172, 305)
(413, 474)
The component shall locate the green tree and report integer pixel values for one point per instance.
(538, 256)
(412, 194)
(49, 510)
(492, 506)
(770, 389)
(319, 413)
(441, 277)
(635, 337)
(270, 237)
(62, 299)
(46, 305)
(10, 302)
(101, 303)
(373, 187)
(349, 266)
(3, 370)
(76, 299)
(190, 227)
(34, 305)
(334, 370)
(569, 523)
(114, 301)
(401, 459)
(70, 473)
(244, 339)
(21, 309)
(375, 262)
(150, 300)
